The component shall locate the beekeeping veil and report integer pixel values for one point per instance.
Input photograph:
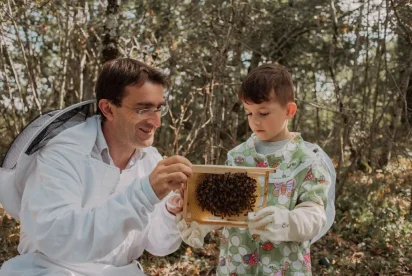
(24, 148)
(330, 207)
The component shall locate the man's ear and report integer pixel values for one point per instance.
(106, 108)
(291, 110)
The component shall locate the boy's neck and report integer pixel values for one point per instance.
(283, 135)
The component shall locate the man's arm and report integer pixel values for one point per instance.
(163, 236)
(55, 220)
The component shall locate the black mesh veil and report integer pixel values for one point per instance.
(37, 133)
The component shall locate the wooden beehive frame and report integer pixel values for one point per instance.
(193, 212)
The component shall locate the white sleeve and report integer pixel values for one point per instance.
(300, 224)
(163, 235)
(308, 217)
(54, 219)
(306, 220)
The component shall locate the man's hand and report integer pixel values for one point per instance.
(170, 174)
(175, 202)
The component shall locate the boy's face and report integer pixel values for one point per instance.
(268, 120)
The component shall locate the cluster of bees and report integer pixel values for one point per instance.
(226, 195)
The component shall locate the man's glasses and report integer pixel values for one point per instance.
(149, 112)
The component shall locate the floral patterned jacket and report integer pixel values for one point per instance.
(299, 190)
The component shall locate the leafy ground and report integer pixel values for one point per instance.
(372, 234)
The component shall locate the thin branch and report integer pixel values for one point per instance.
(31, 77)
(401, 25)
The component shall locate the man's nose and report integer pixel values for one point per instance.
(155, 119)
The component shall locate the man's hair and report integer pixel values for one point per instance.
(258, 85)
(118, 73)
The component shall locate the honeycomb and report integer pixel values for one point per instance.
(193, 212)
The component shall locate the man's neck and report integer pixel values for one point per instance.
(119, 152)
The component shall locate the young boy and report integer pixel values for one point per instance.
(277, 241)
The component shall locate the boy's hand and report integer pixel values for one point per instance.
(277, 223)
(170, 174)
(265, 223)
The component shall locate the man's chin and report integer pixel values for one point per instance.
(144, 144)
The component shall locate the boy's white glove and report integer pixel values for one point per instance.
(276, 223)
(270, 223)
(194, 234)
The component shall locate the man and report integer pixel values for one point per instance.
(94, 196)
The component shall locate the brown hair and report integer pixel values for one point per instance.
(258, 85)
(118, 73)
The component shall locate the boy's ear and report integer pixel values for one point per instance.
(106, 109)
(291, 110)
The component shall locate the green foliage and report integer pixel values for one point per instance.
(352, 66)
(9, 236)
(348, 62)
(372, 230)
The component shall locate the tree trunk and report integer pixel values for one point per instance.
(397, 112)
(110, 32)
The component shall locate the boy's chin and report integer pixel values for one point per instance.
(267, 138)
(262, 136)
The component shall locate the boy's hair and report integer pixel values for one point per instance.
(258, 85)
(118, 73)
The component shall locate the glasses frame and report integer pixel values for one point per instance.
(162, 110)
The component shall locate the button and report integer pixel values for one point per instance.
(284, 225)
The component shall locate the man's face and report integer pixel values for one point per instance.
(137, 130)
(268, 120)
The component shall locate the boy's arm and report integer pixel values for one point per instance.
(275, 223)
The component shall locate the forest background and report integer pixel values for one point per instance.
(352, 65)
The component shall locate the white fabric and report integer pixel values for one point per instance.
(278, 224)
(194, 234)
(11, 189)
(80, 216)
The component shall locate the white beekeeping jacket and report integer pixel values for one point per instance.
(79, 215)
